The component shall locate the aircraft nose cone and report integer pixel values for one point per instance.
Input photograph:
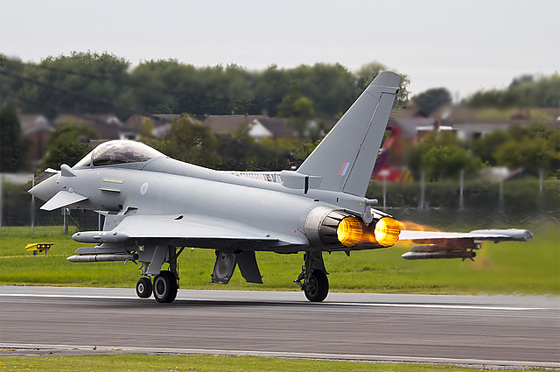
(46, 189)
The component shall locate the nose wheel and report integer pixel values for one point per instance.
(313, 278)
(317, 286)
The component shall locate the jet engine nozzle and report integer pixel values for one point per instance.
(387, 231)
(349, 231)
(325, 226)
(338, 229)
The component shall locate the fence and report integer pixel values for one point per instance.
(458, 201)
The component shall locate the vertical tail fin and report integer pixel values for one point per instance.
(344, 160)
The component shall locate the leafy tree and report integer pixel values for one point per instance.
(302, 113)
(525, 91)
(432, 99)
(532, 155)
(329, 87)
(12, 147)
(533, 148)
(269, 88)
(368, 72)
(10, 87)
(440, 155)
(147, 128)
(190, 141)
(92, 82)
(298, 109)
(88, 82)
(68, 145)
(530, 147)
(486, 146)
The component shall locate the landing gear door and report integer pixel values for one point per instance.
(224, 266)
(249, 269)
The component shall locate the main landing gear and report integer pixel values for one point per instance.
(315, 283)
(164, 287)
(165, 282)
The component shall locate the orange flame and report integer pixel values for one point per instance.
(409, 225)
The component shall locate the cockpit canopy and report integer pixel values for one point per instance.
(118, 152)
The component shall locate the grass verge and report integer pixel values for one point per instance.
(207, 363)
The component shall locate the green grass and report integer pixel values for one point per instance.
(504, 268)
(207, 363)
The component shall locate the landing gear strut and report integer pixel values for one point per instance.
(314, 276)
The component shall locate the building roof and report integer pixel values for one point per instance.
(107, 126)
(31, 123)
(229, 123)
(278, 127)
(409, 125)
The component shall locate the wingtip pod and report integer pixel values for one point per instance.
(518, 235)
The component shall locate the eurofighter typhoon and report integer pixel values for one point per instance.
(155, 206)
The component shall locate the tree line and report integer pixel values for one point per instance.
(524, 91)
(99, 83)
(92, 82)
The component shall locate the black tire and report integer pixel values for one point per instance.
(317, 287)
(144, 287)
(165, 287)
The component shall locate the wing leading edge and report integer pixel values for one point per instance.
(189, 231)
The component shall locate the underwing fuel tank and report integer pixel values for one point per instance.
(338, 229)
(438, 255)
(434, 251)
(102, 257)
(100, 237)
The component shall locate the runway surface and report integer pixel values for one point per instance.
(500, 330)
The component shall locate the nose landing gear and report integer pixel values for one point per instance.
(313, 278)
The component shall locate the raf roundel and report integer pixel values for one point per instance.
(144, 188)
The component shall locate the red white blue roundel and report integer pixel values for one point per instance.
(144, 188)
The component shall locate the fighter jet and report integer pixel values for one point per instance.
(155, 207)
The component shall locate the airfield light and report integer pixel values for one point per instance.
(349, 231)
(387, 231)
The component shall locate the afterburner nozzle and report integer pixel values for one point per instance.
(387, 231)
(349, 231)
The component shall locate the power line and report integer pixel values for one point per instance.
(103, 101)
(72, 92)
(138, 85)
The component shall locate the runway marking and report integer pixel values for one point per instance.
(365, 304)
(437, 306)
(281, 354)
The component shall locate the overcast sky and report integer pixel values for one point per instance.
(461, 45)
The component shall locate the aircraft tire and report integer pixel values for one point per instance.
(165, 287)
(317, 286)
(144, 287)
